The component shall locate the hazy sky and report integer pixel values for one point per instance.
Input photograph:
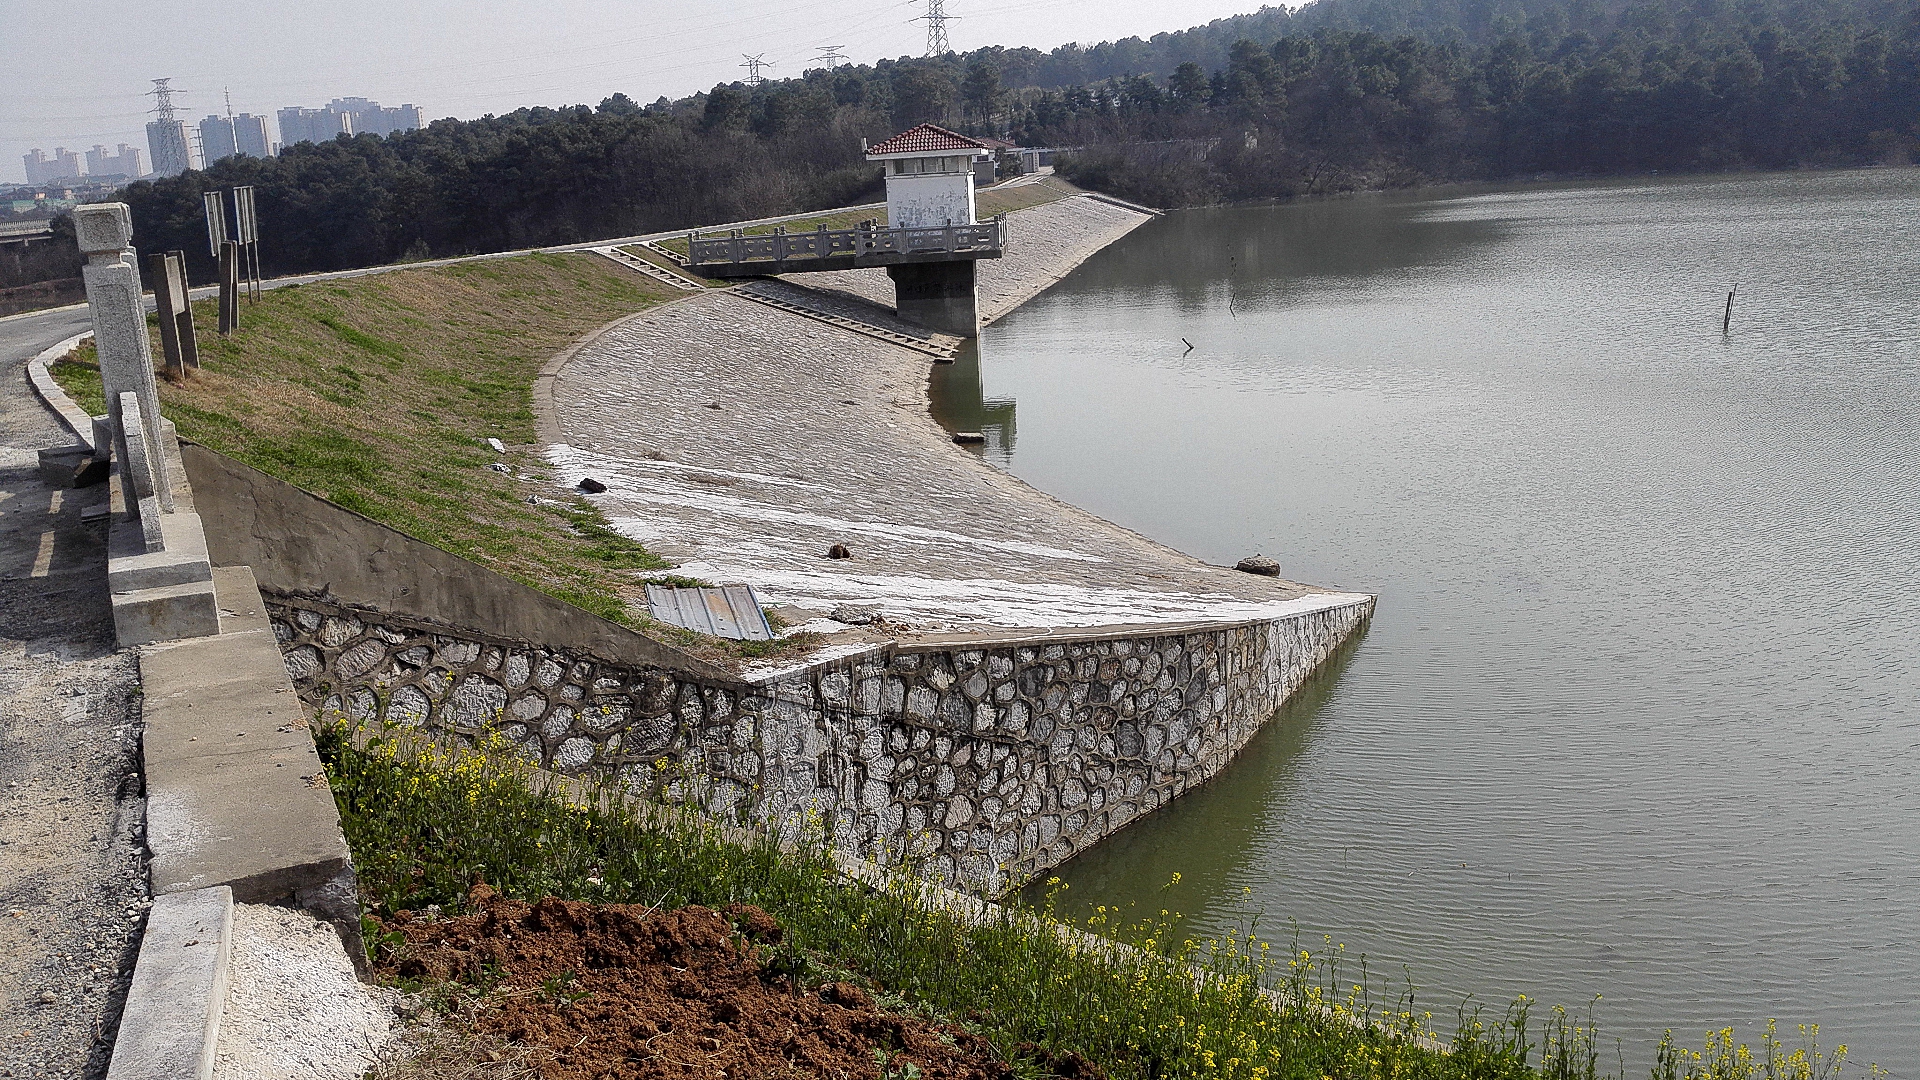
(74, 80)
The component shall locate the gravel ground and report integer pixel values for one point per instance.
(293, 1007)
(73, 887)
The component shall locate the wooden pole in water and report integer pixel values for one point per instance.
(1726, 320)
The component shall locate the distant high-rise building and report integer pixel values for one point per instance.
(167, 145)
(41, 169)
(313, 125)
(167, 135)
(250, 136)
(216, 139)
(224, 136)
(348, 116)
(371, 119)
(126, 162)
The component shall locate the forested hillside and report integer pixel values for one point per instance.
(1469, 22)
(1554, 87)
(1338, 95)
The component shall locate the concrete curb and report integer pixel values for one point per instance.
(172, 1017)
(71, 414)
(236, 796)
(1100, 196)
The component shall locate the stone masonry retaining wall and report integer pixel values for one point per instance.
(985, 763)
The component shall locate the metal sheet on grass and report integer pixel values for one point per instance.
(730, 611)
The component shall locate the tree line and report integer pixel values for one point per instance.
(1336, 95)
(1660, 85)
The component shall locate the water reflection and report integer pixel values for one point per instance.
(1640, 713)
(1219, 827)
(1324, 244)
(959, 405)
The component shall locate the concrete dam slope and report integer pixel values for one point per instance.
(744, 441)
(1036, 677)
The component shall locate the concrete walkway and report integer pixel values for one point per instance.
(72, 885)
(744, 441)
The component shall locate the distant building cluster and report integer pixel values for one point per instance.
(345, 116)
(42, 169)
(124, 161)
(65, 164)
(225, 136)
(174, 147)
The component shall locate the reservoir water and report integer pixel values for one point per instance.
(1639, 713)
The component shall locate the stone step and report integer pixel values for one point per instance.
(891, 337)
(658, 273)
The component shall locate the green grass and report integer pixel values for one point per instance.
(1007, 200)
(379, 393)
(424, 829)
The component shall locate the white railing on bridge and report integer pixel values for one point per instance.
(824, 243)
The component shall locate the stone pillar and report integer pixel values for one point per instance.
(105, 235)
(939, 296)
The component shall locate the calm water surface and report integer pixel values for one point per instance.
(1639, 714)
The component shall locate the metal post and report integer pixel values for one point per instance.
(247, 230)
(229, 287)
(216, 207)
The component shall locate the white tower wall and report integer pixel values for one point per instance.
(931, 191)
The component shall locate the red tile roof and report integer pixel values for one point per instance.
(925, 139)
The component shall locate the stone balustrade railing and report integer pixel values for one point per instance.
(986, 239)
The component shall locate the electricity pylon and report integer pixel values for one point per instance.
(936, 20)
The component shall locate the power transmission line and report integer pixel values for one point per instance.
(753, 66)
(936, 20)
(162, 96)
(831, 56)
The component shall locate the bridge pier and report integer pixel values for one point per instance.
(938, 296)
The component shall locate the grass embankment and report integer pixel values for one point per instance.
(1008, 199)
(379, 393)
(423, 830)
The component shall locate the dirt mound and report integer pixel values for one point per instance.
(621, 991)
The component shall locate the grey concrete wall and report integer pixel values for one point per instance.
(302, 545)
(986, 764)
(939, 296)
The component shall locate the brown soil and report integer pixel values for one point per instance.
(625, 992)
